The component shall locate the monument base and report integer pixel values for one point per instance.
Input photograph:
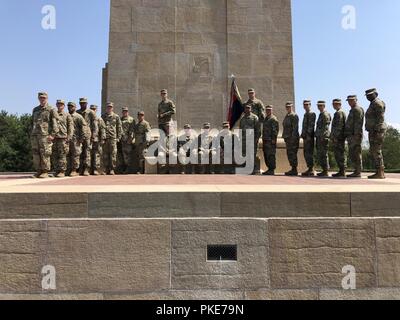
(149, 237)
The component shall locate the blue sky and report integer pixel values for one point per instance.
(330, 62)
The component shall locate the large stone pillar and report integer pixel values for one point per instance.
(192, 47)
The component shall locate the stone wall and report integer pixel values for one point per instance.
(192, 47)
(166, 259)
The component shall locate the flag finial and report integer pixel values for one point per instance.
(233, 76)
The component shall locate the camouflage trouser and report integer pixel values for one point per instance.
(126, 149)
(96, 155)
(292, 149)
(375, 144)
(309, 144)
(322, 152)
(140, 149)
(60, 152)
(110, 154)
(270, 154)
(355, 151)
(340, 154)
(74, 154)
(41, 151)
(163, 127)
(85, 155)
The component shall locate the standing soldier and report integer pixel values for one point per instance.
(113, 136)
(226, 145)
(308, 136)
(322, 134)
(376, 127)
(44, 130)
(270, 139)
(90, 118)
(292, 138)
(62, 140)
(250, 121)
(127, 140)
(257, 108)
(142, 141)
(186, 149)
(338, 138)
(81, 133)
(166, 111)
(354, 135)
(96, 156)
(207, 151)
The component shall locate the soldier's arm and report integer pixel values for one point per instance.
(275, 131)
(311, 126)
(148, 135)
(327, 123)
(263, 112)
(94, 126)
(70, 127)
(119, 129)
(380, 116)
(358, 121)
(295, 126)
(53, 127)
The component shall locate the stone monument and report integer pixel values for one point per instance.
(192, 47)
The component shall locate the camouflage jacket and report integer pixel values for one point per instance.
(291, 126)
(258, 108)
(102, 129)
(309, 120)
(187, 142)
(90, 118)
(142, 133)
(375, 117)
(206, 142)
(166, 111)
(338, 126)
(81, 128)
(250, 122)
(65, 126)
(113, 126)
(323, 125)
(44, 121)
(355, 122)
(128, 129)
(271, 129)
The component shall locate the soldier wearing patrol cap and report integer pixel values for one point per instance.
(354, 135)
(270, 139)
(142, 141)
(187, 150)
(207, 150)
(166, 111)
(62, 140)
(127, 140)
(292, 138)
(308, 136)
(376, 127)
(90, 118)
(322, 134)
(338, 138)
(96, 155)
(44, 130)
(81, 134)
(113, 136)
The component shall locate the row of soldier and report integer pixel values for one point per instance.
(78, 142)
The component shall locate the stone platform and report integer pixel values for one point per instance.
(146, 237)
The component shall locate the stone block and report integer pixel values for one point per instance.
(375, 204)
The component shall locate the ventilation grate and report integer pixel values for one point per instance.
(222, 253)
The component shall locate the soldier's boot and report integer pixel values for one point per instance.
(74, 174)
(37, 174)
(340, 174)
(44, 175)
(112, 173)
(323, 174)
(86, 173)
(96, 173)
(60, 175)
(380, 174)
(269, 173)
(309, 173)
(292, 173)
(355, 174)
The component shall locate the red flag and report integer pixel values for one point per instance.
(236, 109)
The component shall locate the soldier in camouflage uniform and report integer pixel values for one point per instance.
(292, 138)
(376, 127)
(270, 140)
(354, 135)
(308, 136)
(257, 108)
(44, 130)
(166, 111)
(187, 149)
(142, 141)
(62, 140)
(81, 133)
(127, 140)
(90, 118)
(250, 121)
(322, 134)
(96, 155)
(338, 138)
(226, 143)
(207, 150)
(113, 135)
